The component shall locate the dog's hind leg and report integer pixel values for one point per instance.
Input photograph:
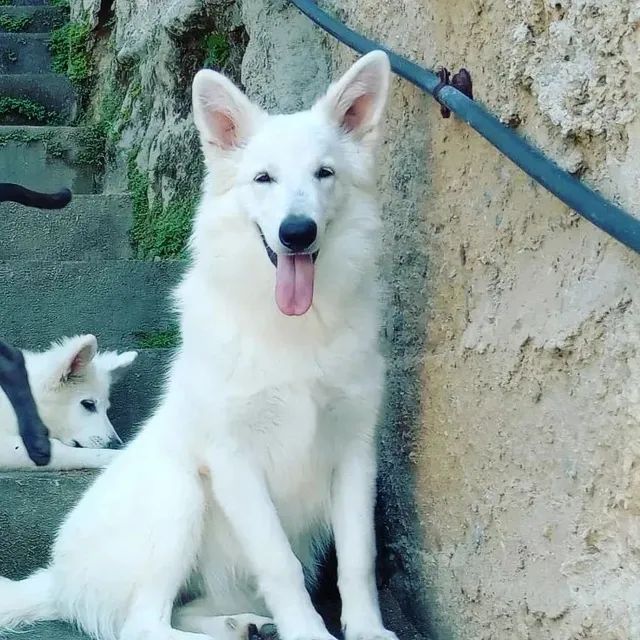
(132, 541)
(149, 619)
(196, 617)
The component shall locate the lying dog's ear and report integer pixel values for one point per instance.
(225, 117)
(356, 102)
(77, 354)
(116, 363)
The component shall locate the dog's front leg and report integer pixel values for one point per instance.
(353, 502)
(241, 492)
(14, 457)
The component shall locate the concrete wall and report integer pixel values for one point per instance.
(510, 479)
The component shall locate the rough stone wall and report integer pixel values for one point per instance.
(510, 479)
(144, 55)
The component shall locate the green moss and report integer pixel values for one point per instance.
(216, 50)
(26, 109)
(14, 23)
(158, 339)
(110, 117)
(20, 135)
(158, 230)
(5, 3)
(97, 138)
(135, 89)
(138, 184)
(172, 226)
(54, 149)
(91, 141)
(70, 51)
(59, 3)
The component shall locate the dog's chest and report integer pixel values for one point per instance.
(297, 432)
(295, 413)
(292, 433)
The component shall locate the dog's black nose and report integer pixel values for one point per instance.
(298, 232)
(114, 443)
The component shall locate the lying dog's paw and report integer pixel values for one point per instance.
(104, 457)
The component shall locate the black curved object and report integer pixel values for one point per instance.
(30, 198)
(14, 381)
(612, 219)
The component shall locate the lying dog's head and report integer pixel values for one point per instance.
(293, 175)
(70, 384)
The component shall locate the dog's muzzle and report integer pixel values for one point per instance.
(273, 256)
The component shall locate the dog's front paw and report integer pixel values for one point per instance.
(104, 457)
(376, 633)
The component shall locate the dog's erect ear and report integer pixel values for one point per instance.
(356, 101)
(77, 354)
(224, 116)
(116, 363)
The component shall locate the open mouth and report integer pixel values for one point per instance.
(273, 256)
(295, 274)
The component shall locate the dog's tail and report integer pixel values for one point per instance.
(26, 601)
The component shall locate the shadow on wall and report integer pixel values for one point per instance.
(404, 191)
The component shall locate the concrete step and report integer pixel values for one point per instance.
(24, 53)
(134, 398)
(29, 3)
(90, 227)
(32, 19)
(49, 158)
(115, 300)
(32, 506)
(37, 99)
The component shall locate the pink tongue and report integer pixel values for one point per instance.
(294, 284)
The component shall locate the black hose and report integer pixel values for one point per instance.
(591, 205)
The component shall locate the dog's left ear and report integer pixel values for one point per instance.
(356, 102)
(225, 117)
(77, 354)
(116, 363)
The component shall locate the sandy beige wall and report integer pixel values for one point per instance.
(526, 461)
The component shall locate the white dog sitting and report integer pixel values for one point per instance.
(70, 383)
(274, 393)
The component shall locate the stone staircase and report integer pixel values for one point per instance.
(64, 272)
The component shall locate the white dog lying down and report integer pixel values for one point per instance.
(264, 444)
(70, 384)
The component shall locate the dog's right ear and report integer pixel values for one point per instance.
(356, 102)
(76, 355)
(225, 117)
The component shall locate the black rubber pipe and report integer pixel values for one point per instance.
(588, 203)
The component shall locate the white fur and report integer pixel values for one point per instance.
(61, 378)
(263, 445)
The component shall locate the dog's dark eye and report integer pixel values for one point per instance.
(324, 172)
(263, 177)
(89, 405)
